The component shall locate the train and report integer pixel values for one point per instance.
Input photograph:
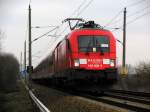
(87, 53)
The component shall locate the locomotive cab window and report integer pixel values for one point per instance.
(87, 43)
(102, 43)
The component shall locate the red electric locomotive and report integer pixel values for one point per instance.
(88, 52)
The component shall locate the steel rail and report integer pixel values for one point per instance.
(129, 104)
(141, 94)
(129, 98)
(121, 103)
(38, 103)
(115, 103)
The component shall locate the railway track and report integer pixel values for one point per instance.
(139, 97)
(129, 100)
(36, 102)
(135, 101)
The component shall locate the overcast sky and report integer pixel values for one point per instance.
(14, 19)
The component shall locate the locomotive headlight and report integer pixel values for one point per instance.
(76, 63)
(112, 63)
(106, 61)
(83, 61)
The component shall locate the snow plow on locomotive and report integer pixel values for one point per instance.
(86, 53)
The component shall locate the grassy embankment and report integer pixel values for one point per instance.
(15, 101)
(13, 95)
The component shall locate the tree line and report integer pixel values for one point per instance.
(9, 70)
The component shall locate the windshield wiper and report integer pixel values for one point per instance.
(101, 50)
(89, 43)
(99, 46)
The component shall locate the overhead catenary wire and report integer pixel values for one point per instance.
(82, 3)
(113, 18)
(44, 26)
(130, 5)
(79, 7)
(131, 15)
(138, 17)
(139, 11)
(133, 20)
(45, 34)
(79, 13)
(46, 47)
(135, 3)
(85, 7)
(40, 52)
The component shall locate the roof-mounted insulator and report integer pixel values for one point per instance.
(89, 24)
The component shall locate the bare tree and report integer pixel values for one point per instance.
(143, 72)
(0, 40)
(1, 36)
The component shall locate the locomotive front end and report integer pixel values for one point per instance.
(93, 54)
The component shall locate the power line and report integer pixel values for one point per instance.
(133, 20)
(45, 34)
(139, 11)
(113, 18)
(82, 3)
(47, 45)
(133, 14)
(118, 28)
(79, 7)
(130, 5)
(67, 25)
(85, 7)
(43, 51)
(138, 17)
(135, 3)
(44, 26)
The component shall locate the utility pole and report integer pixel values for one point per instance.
(124, 70)
(20, 65)
(21, 62)
(25, 61)
(30, 49)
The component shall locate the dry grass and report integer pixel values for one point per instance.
(136, 82)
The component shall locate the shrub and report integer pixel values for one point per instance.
(9, 70)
